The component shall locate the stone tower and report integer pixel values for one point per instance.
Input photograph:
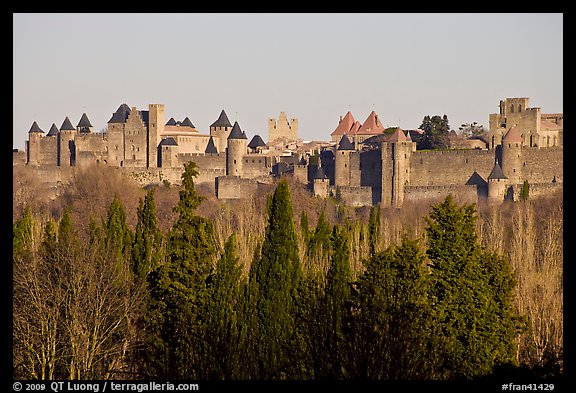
(497, 183)
(35, 134)
(66, 147)
(321, 183)
(84, 125)
(396, 154)
(155, 129)
(282, 129)
(342, 162)
(220, 130)
(512, 155)
(237, 147)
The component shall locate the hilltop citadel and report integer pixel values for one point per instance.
(362, 164)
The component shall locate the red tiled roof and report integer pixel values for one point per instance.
(398, 136)
(371, 126)
(513, 135)
(344, 125)
(549, 125)
(355, 128)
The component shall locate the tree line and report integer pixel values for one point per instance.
(141, 303)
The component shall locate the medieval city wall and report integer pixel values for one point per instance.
(462, 193)
(354, 196)
(256, 166)
(91, 148)
(446, 167)
(49, 150)
(234, 187)
(541, 165)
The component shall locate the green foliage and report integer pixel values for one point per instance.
(374, 229)
(525, 190)
(388, 325)
(304, 226)
(472, 291)
(147, 247)
(273, 283)
(320, 238)
(337, 294)
(224, 305)
(22, 232)
(179, 292)
(436, 129)
(118, 236)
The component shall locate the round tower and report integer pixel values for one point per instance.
(497, 183)
(512, 155)
(66, 147)
(235, 151)
(33, 146)
(220, 130)
(342, 162)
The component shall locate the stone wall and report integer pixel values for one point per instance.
(49, 150)
(354, 196)
(234, 187)
(256, 166)
(446, 167)
(541, 165)
(463, 193)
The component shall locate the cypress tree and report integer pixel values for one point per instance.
(388, 323)
(179, 292)
(147, 247)
(274, 280)
(224, 308)
(472, 292)
(337, 294)
(374, 229)
(118, 237)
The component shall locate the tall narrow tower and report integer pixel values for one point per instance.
(396, 154)
(155, 129)
(220, 130)
(237, 147)
(342, 162)
(512, 155)
(66, 147)
(35, 134)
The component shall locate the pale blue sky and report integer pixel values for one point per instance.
(314, 67)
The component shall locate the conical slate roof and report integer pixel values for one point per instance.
(35, 128)
(256, 142)
(120, 115)
(302, 161)
(53, 130)
(168, 142)
(84, 122)
(171, 122)
(345, 144)
(236, 132)
(186, 122)
(496, 172)
(67, 125)
(211, 147)
(320, 174)
(222, 121)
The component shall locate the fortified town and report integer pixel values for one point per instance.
(362, 164)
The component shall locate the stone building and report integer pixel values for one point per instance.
(364, 164)
(282, 130)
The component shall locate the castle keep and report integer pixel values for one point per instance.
(363, 164)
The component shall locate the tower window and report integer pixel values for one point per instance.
(512, 108)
